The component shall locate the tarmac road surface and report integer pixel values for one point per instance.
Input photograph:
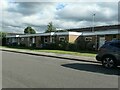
(29, 71)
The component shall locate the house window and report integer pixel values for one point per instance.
(88, 38)
(61, 38)
(33, 40)
(53, 39)
(22, 39)
(28, 39)
(45, 40)
(114, 37)
(13, 40)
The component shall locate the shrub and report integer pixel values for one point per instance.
(34, 45)
(22, 45)
(15, 44)
(50, 46)
(72, 47)
(90, 46)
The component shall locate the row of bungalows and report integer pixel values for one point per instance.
(100, 35)
(43, 38)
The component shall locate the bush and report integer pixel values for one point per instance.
(59, 45)
(15, 44)
(50, 46)
(33, 45)
(62, 45)
(90, 46)
(81, 46)
(3, 41)
(72, 47)
(22, 45)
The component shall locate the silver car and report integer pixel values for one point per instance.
(109, 54)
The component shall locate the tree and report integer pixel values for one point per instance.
(50, 28)
(3, 34)
(29, 30)
(3, 38)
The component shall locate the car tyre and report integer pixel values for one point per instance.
(109, 62)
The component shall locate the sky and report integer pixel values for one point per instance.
(17, 15)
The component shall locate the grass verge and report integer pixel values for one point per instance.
(78, 53)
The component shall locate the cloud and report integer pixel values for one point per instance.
(84, 11)
(18, 15)
(29, 8)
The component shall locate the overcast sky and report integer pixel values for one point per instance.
(18, 15)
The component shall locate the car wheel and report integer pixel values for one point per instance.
(108, 62)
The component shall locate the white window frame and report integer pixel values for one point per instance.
(53, 39)
(33, 40)
(62, 37)
(13, 40)
(22, 39)
(28, 39)
(88, 38)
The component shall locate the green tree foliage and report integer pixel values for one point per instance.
(3, 38)
(50, 28)
(3, 34)
(65, 30)
(29, 30)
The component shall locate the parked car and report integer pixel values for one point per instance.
(109, 54)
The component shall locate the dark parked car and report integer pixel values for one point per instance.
(109, 54)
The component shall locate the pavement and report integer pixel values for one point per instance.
(62, 56)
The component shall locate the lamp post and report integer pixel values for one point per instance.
(93, 22)
(93, 30)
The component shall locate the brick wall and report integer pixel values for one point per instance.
(118, 36)
(108, 37)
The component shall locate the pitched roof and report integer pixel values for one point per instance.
(96, 28)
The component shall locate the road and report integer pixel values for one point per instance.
(29, 71)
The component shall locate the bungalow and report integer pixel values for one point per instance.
(43, 38)
(79, 36)
(99, 34)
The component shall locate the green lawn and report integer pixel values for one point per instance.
(68, 52)
(80, 53)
